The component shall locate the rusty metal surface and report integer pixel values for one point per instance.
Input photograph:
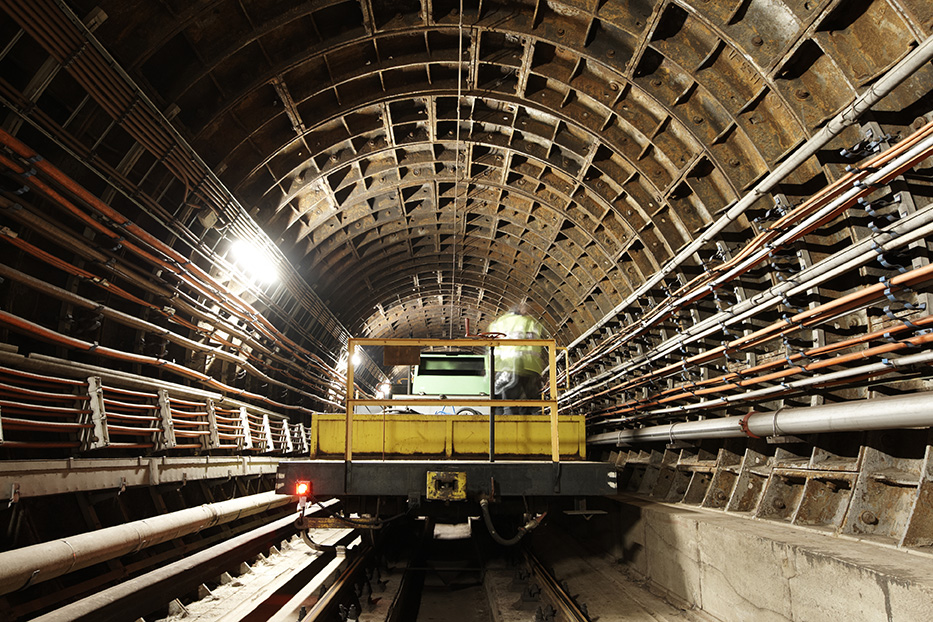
(595, 139)
(417, 166)
(591, 134)
(868, 486)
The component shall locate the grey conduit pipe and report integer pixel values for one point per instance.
(911, 228)
(910, 411)
(801, 283)
(916, 59)
(871, 368)
(143, 593)
(918, 226)
(29, 565)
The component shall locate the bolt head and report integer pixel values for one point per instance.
(868, 517)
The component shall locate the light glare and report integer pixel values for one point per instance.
(253, 262)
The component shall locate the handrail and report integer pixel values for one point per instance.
(99, 416)
(352, 401)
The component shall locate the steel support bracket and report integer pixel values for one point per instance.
(784, 439)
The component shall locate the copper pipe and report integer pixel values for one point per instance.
(45, 426)
(49, 335)
(241, 310)
(839, 360)
(19, 373)
(37, 184)
(39, 253)
(143, 122)
(808, 207)
(807, 317)
(6, 389)
(919, 340)
(128, 320)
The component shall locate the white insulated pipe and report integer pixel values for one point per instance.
(915, 227)
(910, 411)
(29, 565)
(912, 227)
(906, 67)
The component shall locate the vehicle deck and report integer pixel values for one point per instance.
(406, 477)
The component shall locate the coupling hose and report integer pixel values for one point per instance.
(531, 524)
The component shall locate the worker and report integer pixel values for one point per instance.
(518, 368)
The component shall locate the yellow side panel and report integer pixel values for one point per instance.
(448, 435)
(528, 435)
(402, 435)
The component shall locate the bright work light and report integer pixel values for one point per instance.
(253, 262)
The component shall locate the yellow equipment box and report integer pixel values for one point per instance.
(449, 435)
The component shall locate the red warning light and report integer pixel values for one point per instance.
(303, 489)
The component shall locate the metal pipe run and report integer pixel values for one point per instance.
(910, 64)
(905, 155)
(911, 411)
(188, 272)
(907, 230)
(143, 594)
(134, 322)
(29, 565)
(29, 216)
(66, 37)
(873, 370)
(44, 364)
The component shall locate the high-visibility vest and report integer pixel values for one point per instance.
(519, 359)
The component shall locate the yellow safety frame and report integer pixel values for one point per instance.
(352, 401)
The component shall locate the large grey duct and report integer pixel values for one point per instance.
(910, 411)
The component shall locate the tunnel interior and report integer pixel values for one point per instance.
(721, 209)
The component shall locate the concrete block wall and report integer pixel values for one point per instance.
(738, 569)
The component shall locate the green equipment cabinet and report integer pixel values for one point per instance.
(451, 373)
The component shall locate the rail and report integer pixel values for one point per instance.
(555, 592)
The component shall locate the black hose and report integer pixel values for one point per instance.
(484, 505)
(320, 548)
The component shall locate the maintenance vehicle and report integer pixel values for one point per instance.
(442, 450)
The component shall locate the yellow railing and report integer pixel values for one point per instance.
(549, 344)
